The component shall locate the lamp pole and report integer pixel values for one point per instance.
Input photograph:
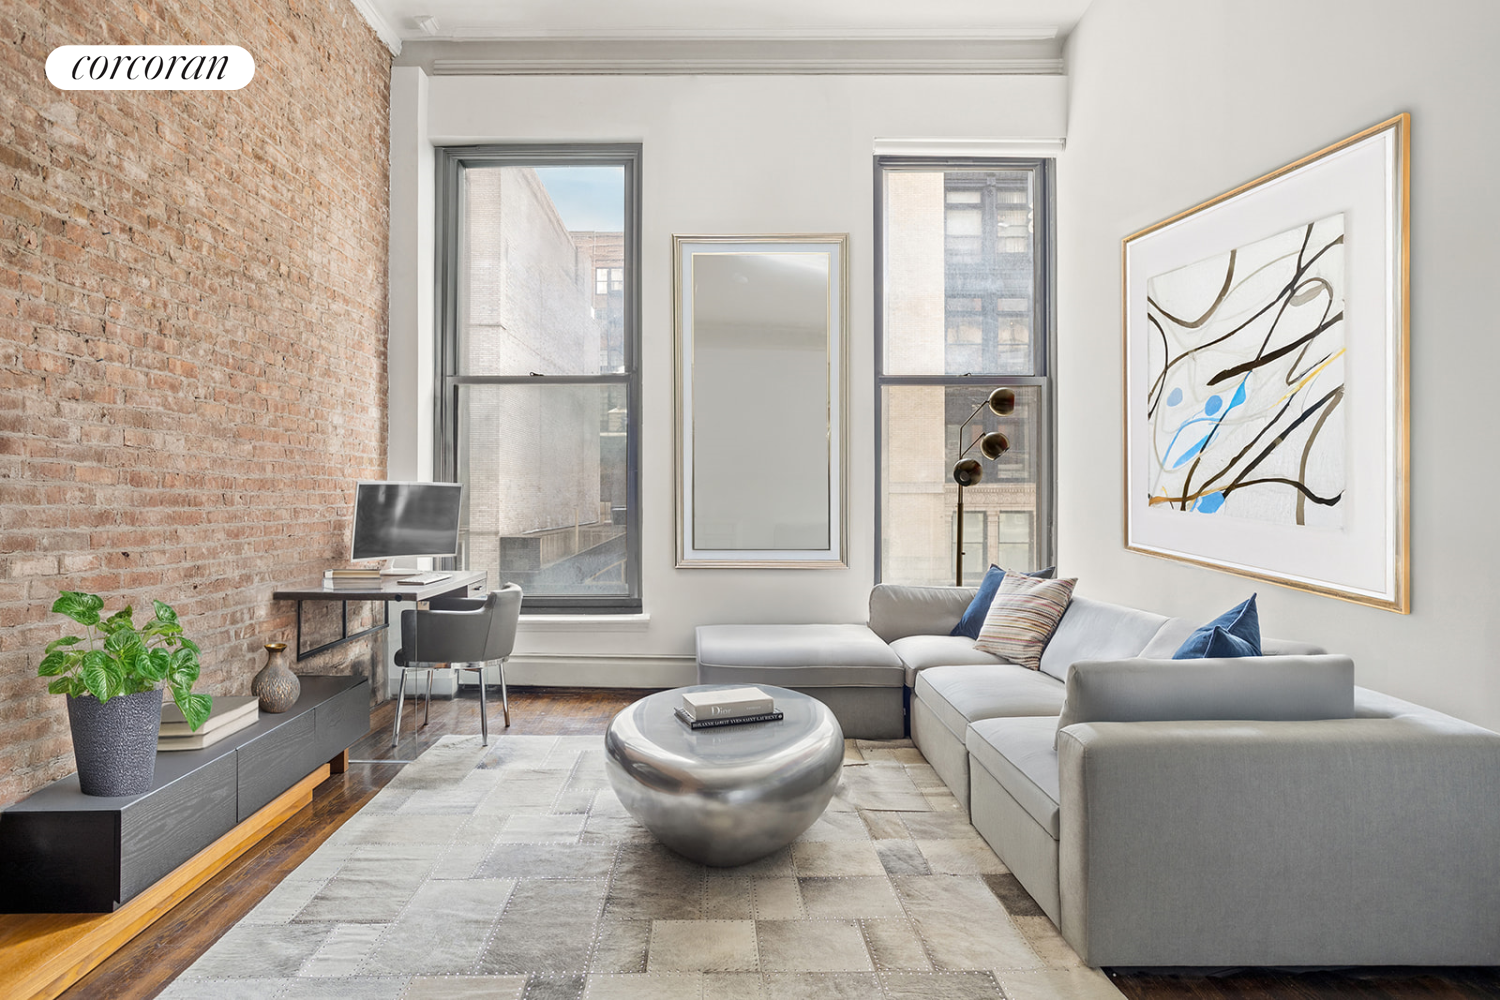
(968, 471)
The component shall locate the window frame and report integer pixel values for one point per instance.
(1043, 335)
(451, 162)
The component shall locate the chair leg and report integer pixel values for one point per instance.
(484, 715)
(400, 701)
(504, 698)
(427, 702)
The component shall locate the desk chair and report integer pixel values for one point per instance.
(462, 633)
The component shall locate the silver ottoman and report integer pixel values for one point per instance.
(728, 795)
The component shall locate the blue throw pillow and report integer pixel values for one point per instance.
(1222, 643)
(1234, 633)
(973, 617)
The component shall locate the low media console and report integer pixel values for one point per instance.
(65, 852)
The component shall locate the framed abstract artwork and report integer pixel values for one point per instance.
(1265, 364)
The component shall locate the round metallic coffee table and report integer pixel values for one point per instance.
(729, 795)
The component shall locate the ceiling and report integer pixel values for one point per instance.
(1003, 20)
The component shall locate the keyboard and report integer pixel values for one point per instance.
(422, 579)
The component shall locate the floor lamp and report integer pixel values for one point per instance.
(968, 471)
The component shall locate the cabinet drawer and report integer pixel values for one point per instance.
(340, 721)
(272, 763)
(160, 831)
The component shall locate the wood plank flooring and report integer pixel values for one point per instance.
(148, 963)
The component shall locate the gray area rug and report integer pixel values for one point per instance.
(512, 871)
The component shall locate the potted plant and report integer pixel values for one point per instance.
(113, 678)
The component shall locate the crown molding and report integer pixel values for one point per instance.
(678, 57)
(745, 67)
(972, 147)
(383, 28)
(474, 32)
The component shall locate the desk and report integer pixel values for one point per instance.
(459, 584)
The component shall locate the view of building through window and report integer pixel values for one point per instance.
(543, 392)
(960, 277)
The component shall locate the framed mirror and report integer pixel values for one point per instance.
(761, 324)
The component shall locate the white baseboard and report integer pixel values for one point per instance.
(619, 671)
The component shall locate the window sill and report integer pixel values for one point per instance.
(586, 623)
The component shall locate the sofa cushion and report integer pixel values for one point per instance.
(898, 610)
(1167, 640)
(1018, 754)
(1241, 622)
(1261, 688)
(1174, 632)
(1220, 643)
(797, 656)
(1022, 618)
(1288, 647)
(1096, 630)
(919, 652)
(973, 616)
(959, 695)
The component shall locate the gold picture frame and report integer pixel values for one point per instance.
(1265, 340)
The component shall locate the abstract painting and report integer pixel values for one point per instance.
(1266, 387)
(1247, 366)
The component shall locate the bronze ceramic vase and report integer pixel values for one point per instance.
(276, 686)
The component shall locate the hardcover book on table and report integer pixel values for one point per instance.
(726, 703)
(230, 714)
(732, 720)
(227, 711)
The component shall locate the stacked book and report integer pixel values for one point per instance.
(229, 716)
(726, 707)
(360, 578)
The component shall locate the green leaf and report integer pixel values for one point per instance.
(122, 639)
(154, 665)
(190, 645)
(53, 664)
(164, 612)
(135, 661)
(184, 668)
(164, 629)
(95, 673)
(82, 608)
(137, 684)
(195, 707)
(63, 685)
(67, 640)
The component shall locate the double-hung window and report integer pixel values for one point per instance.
(538, 365)
(964, 294)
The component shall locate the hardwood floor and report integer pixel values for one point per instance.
(154, 958)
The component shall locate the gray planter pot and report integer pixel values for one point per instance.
(114, 742)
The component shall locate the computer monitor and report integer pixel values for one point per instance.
(406, 519)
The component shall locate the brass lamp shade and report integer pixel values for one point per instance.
(1003, 401)
(968, 472)
(994, 444)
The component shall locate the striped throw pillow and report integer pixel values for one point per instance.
(1022, 618)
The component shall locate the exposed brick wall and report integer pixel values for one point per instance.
(192, 334)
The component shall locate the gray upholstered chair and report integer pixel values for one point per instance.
(462, 633)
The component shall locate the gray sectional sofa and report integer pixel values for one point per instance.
(1253, 812)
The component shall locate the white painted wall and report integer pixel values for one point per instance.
(722, 155)
(1174, 101)
(413, 253)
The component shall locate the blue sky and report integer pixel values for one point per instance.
(587, 197)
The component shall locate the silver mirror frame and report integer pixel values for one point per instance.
(835, 555)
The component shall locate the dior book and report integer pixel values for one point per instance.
(727, 703)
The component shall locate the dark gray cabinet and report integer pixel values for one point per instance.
(65, 852)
